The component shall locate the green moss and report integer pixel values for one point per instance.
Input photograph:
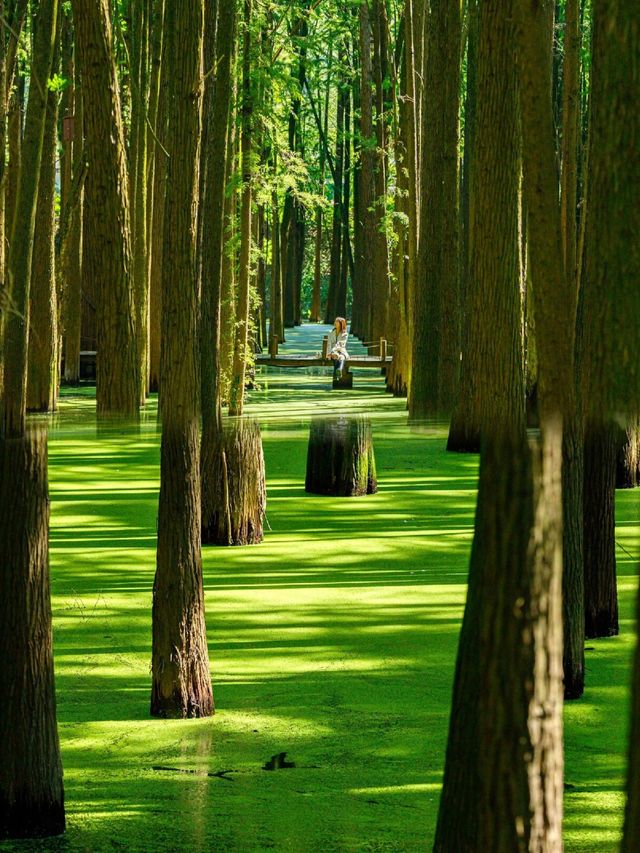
(334, 641)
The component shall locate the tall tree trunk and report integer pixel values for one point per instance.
(107, 237)
(71, 245)
(139, 79)
(331, 309)
(236, 400)
(436, 322)
(491, 385)
(43, 355)
(497, 401)
(158, 158)
(181, 681)
(31, 791)
(214, 484)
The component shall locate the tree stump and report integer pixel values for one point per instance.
(340, 458)
(628, 457)
(236, 487)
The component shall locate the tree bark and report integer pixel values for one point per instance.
(436, 317)
(43, 354)
(236, 397)
(340, 458)
(214, 482)
(107, 237)
(181, 681)
(491, 385)
(19, 266)
(31, 789)
(600, 583)
(238, 476)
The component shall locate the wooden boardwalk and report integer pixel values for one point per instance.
(275, 359)
(301, 360)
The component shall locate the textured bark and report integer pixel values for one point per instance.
(372, 263)
(613, 215)
(138, 181)
(436, 319)
(214, 482)
(340, 458)
(600, 583)
(43, 360)
(16, 334)
(236, 396)
(331, 310)
(491, 386)
(235, 478)
(555, 302)
(158, 187)
(379, 260)
(31, 790)
(181, 681)
(628, 457)
(506, 712)
(70, 259)
(107, 238)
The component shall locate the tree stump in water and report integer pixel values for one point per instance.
(628, 457)
(340, 458)
(235, 486)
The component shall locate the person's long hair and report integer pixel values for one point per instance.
(343, 323)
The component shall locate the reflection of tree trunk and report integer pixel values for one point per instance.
(31, 790)
(181, 682)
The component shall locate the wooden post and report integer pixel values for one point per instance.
(273, 348)
(325, 347)
(383, 350)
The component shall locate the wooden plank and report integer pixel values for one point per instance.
(317, 361)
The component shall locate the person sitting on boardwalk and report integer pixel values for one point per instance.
(337, 345)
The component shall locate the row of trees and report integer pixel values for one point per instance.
(470, 223)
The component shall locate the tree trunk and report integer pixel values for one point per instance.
(31, 790)
(600, 583)
(331, 310)
(240, 351)
(138, 152)
(236, 479)
(181, 681)
(71, 247)
(628, 457)
(520, 719)
(158, 189)
(340, 458)
(491, 386)
(22, 233)
(107, 235)
(214, 481)
(436, 321)
(43, 356)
